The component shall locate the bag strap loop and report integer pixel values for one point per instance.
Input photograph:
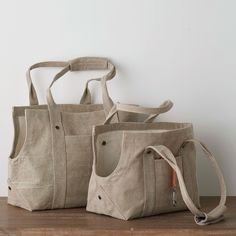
(152, 112)
(200, 217)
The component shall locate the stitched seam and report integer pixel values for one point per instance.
(65, 151)
(144, 189)
(21, 195)
(116, 205)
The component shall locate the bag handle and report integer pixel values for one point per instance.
(86, 64)
(200, 217)
(152, 112)
(33, 98)
(78, 64)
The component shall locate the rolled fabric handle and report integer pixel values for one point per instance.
(151, 111)
(200, 217)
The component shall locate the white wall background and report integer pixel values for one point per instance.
(184, 50)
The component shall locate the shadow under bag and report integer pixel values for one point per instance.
(144, 169)
(51, 160)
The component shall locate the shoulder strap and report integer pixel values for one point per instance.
(201, 218)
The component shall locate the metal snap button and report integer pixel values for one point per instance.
(57, 127)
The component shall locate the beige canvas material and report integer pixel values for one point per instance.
(51, 160)
(129, 182)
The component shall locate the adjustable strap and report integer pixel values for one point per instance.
(152, 112)
(200, 217)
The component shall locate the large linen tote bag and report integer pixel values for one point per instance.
(51, 159)
(132, 172)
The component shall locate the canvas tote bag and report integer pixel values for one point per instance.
(51, 160)
(134, 169)
(50, 163)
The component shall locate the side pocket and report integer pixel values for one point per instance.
(164, 192)
(19, 123)
(30, 164)
(157, 187)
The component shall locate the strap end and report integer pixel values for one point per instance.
(205, 220)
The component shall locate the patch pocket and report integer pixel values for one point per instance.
(79, 168)
(158, 193)
(79, 151)
(163, 188)
(81, 122)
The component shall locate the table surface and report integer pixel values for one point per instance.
(70, 222)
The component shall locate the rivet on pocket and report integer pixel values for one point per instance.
(9, 187)
(99, 197)
(104, 142)
(57, 127)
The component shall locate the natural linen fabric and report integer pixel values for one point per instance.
(51, 160)
(131, 174)
(50, 163)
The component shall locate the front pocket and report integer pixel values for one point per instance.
(158, 192)
(79, 168)
(79, 150)
(81, 122)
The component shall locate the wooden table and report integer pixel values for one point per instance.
(70, 222)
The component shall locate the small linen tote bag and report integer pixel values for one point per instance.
(135, 167)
